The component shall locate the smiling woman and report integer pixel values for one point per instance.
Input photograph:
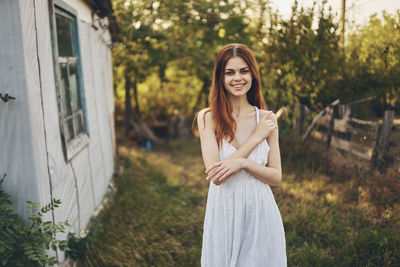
(239, 143)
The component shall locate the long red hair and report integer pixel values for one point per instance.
(221, 110)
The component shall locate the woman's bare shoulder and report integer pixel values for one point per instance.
(205, 112)
(204, 116)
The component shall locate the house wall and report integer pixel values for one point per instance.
(83, 9)
(17, 148)
(30, 143)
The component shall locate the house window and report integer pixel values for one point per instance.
(68, 80)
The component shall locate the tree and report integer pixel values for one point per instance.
(141, 50)
(373, 60)
(302, 57)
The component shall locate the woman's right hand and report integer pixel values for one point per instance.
(264, 127)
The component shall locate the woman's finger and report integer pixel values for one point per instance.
(266, 115)
(221, 174)
(215, 179)
(212, 166)
(226, 175)
(215, 170)
(218, 174)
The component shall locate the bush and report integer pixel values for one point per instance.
(78, 246)
(27, 245)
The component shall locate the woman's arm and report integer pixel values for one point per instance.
(209, 145)
(208, 141)
(267, 129)
(272, 173)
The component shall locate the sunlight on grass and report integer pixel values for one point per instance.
(172, 172)
(156, 216)
(331, 198)
(305, 190)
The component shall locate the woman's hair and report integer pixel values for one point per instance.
(221, 110)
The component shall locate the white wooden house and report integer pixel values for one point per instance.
(57, 136)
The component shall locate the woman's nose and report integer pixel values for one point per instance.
(237, 76)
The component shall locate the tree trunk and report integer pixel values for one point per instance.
(135, 96)
(128, 106)
(203, 91)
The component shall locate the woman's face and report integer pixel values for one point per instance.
(237, 77)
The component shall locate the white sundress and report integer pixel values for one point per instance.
(243, 226)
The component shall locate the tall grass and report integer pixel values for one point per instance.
(335, 211)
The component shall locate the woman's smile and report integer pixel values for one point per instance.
(238, 86)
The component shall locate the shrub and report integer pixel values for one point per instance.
(23, 244)
(78, 246)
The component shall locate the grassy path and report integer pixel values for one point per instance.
(156, 216)
(157, 213)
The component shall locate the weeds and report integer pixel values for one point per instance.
(23, 244)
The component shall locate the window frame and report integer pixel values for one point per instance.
(80, 140)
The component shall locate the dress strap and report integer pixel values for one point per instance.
(257, 114)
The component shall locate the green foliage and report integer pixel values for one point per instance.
(300, 58)
(177, 93)
(78, 246)
(182, 36)
(27, 245)
(373, 61)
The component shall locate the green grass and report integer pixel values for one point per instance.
(155, 218)
(334, 211)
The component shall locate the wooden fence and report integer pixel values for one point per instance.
(375, 141)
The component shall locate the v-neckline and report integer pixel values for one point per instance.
(230, 145)
(257, 118)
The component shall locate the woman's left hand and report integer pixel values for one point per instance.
(221, 170)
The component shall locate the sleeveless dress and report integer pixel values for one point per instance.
(243, 226)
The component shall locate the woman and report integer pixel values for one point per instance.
(239, 144)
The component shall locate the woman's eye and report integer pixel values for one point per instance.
(229, 73)
(245, 71)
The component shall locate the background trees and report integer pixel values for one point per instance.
(166, 57)
(373, 63)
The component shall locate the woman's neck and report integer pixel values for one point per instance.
(239, 105)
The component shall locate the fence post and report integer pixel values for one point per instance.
(331, 126)
(296, 116)
(316, 118)
(382, 141)
(346, 111)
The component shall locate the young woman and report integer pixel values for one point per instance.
(240, 148)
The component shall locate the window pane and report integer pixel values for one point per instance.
(73, 87)
(65, 93)
(69, 89)
(79, 122)
(65, 36)
(69, 130)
